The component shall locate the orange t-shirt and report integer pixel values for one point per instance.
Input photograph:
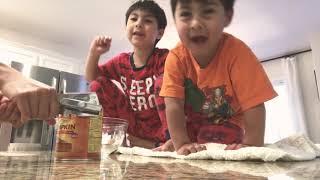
(233, 82)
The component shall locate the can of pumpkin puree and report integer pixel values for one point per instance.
(78, 130)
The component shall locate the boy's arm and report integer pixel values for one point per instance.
(91, 67)
(99, 46)
(176, 122)
(254, 123)
(178, 130)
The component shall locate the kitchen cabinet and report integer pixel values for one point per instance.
(10, 53)
(44, 58)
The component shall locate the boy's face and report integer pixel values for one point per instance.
(142, 29)
(200, 24)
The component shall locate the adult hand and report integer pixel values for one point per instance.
(9, 111)
(33, 99)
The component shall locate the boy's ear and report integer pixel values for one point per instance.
(160, 34)
(228, 17)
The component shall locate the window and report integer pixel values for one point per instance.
(285, 113)
(277, 114)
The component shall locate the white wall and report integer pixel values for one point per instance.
(309, 92)
(29, 49)
(315, 46)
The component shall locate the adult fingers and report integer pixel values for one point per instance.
(9, 110)
(15, 115)
(23, 106)
(44, 99)
(33, 99)
(17, 123)
(53, 104)
(4, 99)
(3, 107)
(12, 115)
(3, 115)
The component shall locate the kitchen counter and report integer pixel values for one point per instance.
(41, 165)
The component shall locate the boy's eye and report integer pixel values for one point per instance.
(133, 19)
(185, 14)
(148, 20)
(208, 11)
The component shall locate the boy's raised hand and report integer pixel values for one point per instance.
(100, 45)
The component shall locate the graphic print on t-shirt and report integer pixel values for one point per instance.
(213, 103)
(217, 105)
(141, 93)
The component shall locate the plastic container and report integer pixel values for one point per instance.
(113, 135)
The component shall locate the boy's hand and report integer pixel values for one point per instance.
(100, 45)
(136, 141)
(190, 148)
(167, 146)
(235, 146)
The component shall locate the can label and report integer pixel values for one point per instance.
(78, 137)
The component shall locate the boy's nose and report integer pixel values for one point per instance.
(138, 23)
(196, 24)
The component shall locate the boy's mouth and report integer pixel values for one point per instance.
(137, 34)
(199, 39)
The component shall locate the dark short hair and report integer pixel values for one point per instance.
(227, 4)
(151, 7)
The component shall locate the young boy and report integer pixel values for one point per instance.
(214, 86)
(137, 72)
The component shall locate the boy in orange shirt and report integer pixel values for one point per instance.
(214, 86)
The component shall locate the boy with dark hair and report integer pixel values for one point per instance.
(137, 72)
(213, 84)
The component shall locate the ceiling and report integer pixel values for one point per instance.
(271, 28)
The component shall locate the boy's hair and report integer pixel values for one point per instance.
(227, 4)
(151, 7)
